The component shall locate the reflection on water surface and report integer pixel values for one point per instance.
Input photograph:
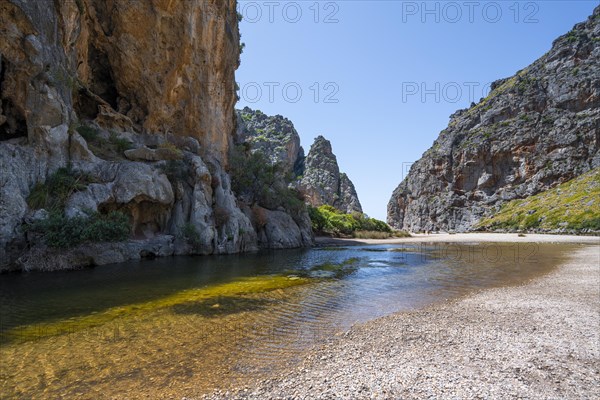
(183, 326)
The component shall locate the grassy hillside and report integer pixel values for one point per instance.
(573, 205)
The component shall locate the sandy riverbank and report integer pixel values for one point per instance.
(464, 238)
(538, 340)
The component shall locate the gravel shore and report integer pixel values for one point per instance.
(540, 340)
(464, 238)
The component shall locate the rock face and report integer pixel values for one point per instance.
(322, 182)
(318, 174)
(278, 224)
(535, 130)
(275, 136)
(138, 96)
(348, 197)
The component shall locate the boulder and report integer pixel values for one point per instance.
(282, 232)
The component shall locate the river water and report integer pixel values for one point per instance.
(183, 326)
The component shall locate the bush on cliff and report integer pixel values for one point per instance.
(328, 220)
(111, 148)
(62, 232)
(57, 230)
(190, 234)
(54, 193)
(257, 180)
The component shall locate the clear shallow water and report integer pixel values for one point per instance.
(182, 326)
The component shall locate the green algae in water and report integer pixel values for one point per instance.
(198, 299)
(331, 248)
(190, 348)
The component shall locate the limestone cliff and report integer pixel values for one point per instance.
(137, 97)
(535, 130)
(322, 182)
(273, 135)
(317, 176)
(264, 181)
(148, 66)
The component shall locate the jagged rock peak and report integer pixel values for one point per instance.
(322, 182)
(535, 130)
(319, 175)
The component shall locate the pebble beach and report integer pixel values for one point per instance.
(539, 340)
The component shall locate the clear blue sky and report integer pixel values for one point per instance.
(374, 58)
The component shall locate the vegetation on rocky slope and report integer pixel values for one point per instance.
(316, 175)
(328, 220)
(571, 206)
(59, 231)
(258, 180)
(54, 193)
(108, 148)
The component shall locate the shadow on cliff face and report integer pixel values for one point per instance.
(148, 218)
(101, 88)
(12, 120)
(102, 82)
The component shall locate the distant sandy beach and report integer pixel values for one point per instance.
(465, 238)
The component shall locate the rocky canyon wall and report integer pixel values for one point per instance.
(136, 97)
(535, 130)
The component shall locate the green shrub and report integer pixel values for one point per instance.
(54, 193)
(171, 148)
(89, 133)
(328, 220)
(371, 224)
(111, 149)
(318, 219)
(344, 223)
(571, 205)
(252, 174)
(190, 234)
(259, 181)
(379, 234)
(531, 221)
(120, 144)
(572, 36)
(592, 223)
(292, 200)
(112, 227)
(59, 231)
(401, 234)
